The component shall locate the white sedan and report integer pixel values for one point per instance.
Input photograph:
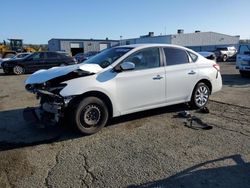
(123, 80)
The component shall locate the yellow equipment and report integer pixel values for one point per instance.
(15, 46)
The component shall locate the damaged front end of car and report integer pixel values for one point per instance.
(46, 85)
(52, 104)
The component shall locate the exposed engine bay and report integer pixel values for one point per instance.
(52, 104)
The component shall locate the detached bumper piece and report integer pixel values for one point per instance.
(39, 116)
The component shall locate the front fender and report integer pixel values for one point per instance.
(97, 83)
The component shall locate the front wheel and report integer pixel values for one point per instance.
(224, 58)
(200, 96)
(90, 115)
(18, 70)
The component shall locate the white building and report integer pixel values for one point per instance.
(74, 46)
(198, 41)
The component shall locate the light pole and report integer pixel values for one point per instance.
(120, 40)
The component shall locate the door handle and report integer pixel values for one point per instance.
(158, 77)
(192, 72)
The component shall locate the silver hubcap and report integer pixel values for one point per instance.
(18, 70)
(201, 96)
(92, 115)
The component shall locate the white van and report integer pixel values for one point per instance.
(243, 60)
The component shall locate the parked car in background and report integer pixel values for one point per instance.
(64, 53)
(123, 80)
(80, 57)
(243, 60)
(224, 53)
(36, 61)
(18, 56)
(208, 55)
(21, 55)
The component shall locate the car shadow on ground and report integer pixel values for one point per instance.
(3, 74)
(234, 80)
(207, 175)
(15, 132)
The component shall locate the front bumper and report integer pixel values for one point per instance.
(7, 69)
(51, 110)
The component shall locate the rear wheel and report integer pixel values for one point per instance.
(90, 115)
(200, 96)
(17, 69)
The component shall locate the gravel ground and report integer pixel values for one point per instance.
(155, 148)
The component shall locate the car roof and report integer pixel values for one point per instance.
(152, 45)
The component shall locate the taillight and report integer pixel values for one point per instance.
(216, 66)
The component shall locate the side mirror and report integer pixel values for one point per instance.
(127, 66)
(247, 53)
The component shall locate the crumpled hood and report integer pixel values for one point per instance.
(43, 75)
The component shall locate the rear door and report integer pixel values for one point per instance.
(181, 75)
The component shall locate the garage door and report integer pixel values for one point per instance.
(103, 46)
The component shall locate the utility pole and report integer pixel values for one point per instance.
(120, 40)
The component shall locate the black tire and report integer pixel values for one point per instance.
(224, 58)
(17, 69)
(200, 96)
(90, 115)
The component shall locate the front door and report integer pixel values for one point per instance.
(35, 62)
(143, 87)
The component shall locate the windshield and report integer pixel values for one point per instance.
(108, 56)
(26, 57)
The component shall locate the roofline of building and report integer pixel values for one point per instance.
(169, 35)
(208, 32)
(98, 40)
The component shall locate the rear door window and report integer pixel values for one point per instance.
(52, 55)
(175, 56)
